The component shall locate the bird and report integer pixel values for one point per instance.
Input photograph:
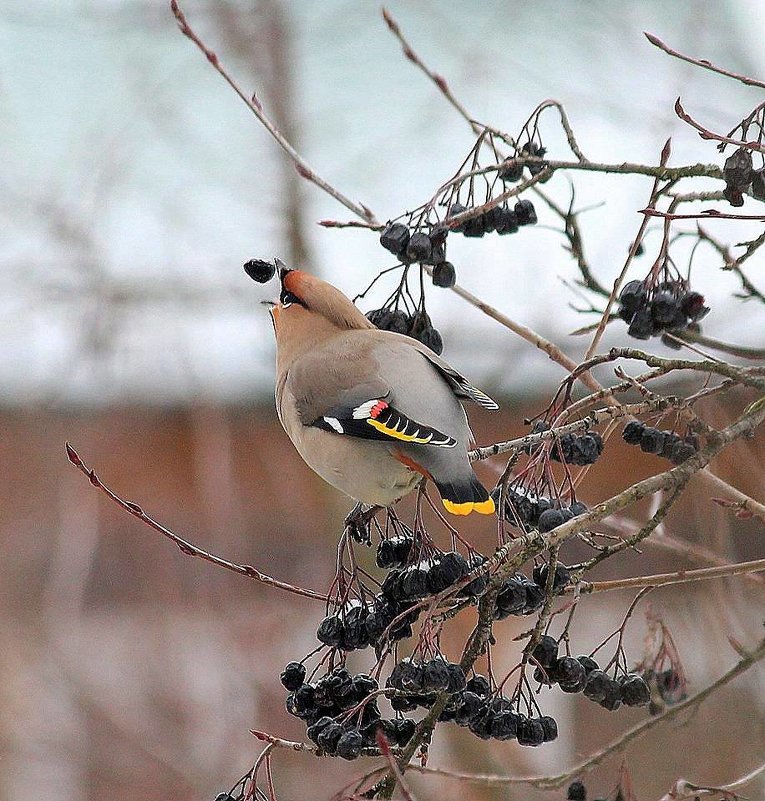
(372, 412)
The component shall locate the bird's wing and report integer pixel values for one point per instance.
(459, 385)
(377, 419)
(354, 387)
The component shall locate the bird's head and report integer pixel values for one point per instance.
(309, 310)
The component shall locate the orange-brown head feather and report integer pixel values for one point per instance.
(315, 312)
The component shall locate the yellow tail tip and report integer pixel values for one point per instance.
(458, 508)
(486, 507)
(482, 507)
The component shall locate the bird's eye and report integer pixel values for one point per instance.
(287, 298)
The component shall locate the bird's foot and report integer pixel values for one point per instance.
(357, 523)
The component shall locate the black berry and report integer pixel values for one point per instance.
(546, 651)
(432, 339)
(530, 732)
(260, 270)
(570, 674)
(525, 212)
(549, 519)
(576, 792)
(737, 170)
(561, 578)
(588, 663)
(635, 690)
(641, 326)
(349, 745)
(549, 728)
(395, 238)
(293, 675)
(418, 247)
(510, 170)
(597, 685)
(633, 432)
(652, 440)
(330, 631)
(612, 698)
(681, 451)
(633, 295)
(444, 275)
(508, 222)
(758, 184)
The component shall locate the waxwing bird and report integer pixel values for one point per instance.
(370, 411)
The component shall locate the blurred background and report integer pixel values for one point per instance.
(134, 184)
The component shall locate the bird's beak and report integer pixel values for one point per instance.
(282, 268)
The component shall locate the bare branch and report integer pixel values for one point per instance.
(256, 107)
(185, 546)
(593, 419)
(705, 133)
(678, 577)
(702, 215)
(606, 316)
(617, 746)
(702, 62)
(437, 79)
(734, 264)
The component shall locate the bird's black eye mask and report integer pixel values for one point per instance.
(287, 298)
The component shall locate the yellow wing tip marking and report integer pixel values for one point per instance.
(482, 507)
(391, 432)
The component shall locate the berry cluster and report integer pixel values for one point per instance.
(518, 596)
(357, 625)
(670, 307)
(389, 616)
(501, 219)
(415, 683)
(666, 444)
(341, 713)
(493, 716)
(410, 246)
(406, 585)
(576, 449)
(511, 170)
(530, 510)
(740, 177)
(583, 674)
(417, 325)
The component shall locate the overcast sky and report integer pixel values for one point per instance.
(135, 183)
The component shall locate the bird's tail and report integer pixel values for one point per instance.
(465, 495)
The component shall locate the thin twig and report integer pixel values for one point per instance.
(437, 79)
(384, 746)
(678, 577)
(256, 107)
(734, 264)
(636, 242)
(615, 747)
(185, 546)
(688, 336)
(646, 530)
(593, 419)
(705, 133)
(702, 62)
(709, 214)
